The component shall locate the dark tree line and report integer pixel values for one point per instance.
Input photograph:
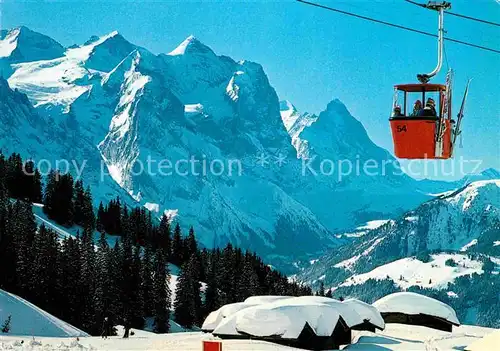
(21, 179)
(86, 278)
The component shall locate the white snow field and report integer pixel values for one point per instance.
(27, 319)
(394, 337)
(410, 271)
(413, 304)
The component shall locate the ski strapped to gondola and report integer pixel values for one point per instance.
(441, 125)
(457, 131)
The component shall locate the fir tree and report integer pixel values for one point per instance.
(164, 237)
(321, 291)
(161, 293)
(6, 325)
(147, 286)
(212, 291)
(88, 283)
(177, 247)
(187, 296)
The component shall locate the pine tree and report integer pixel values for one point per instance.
(187, 296)
(58, 198)
(212, 291)
(8, 277)
(15, 177)
(78, 202)
(102, 297)
(191, 246)
(32, 183)
(25, 227)
(161, 293)
(329, 293)
(227, 275)
(136, 311)
(70, 267)
(164, 236)
(88, 282)
(100, 218)
(147, 280)
(248, 282)
(6, 324)
(321, 291)
(177, 247)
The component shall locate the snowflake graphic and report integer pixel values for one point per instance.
(280, 159)
(263, 159)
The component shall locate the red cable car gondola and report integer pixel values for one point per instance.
(429, 133)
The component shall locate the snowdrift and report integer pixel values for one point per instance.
(415, 309)
(27, 319)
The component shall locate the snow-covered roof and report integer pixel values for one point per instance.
(414, 304)
(215, 317)
(367, 312)
(265, 299)
(288, 320)
(287, 317)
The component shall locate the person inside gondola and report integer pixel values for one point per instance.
(429, 109)
(417, 107)
(397, 111)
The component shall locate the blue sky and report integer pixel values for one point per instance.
(310, 55)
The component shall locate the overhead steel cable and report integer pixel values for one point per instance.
(459, 15)
(397, 26)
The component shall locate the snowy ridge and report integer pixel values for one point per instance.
(22, 44)
(120, 162)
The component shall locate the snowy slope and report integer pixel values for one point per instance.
(27, 319)
(444, 247)
(408, 272)
(450, 223)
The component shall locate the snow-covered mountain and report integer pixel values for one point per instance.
(447, 244)
(237, 161)
(343, 163)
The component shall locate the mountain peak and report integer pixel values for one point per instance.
(337, 106)
(190, 45)
(22, 44)
(95, 39)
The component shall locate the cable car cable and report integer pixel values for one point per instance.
(397, 26)
(458, 15)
